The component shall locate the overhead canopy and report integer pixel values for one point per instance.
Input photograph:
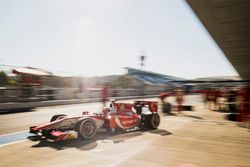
(30, 71)
(151, 77)
(228, 22)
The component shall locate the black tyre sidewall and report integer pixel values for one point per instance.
(80, 126)
(152, 124)
(167, 107)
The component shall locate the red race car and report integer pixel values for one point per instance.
(118, 117)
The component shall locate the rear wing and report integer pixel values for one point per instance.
(152, 105)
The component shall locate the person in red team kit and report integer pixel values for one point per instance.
(104, 94)
(179, 99)
(244, 106)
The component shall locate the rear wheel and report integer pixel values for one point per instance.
(155, 121)
(86, 129)
(166, 108)
(151, 121)
(58, 116)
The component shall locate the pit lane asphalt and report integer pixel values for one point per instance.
(15, 122)
(11, 123)
(200, 138)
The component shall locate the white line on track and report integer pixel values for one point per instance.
(14, 133)
(15, 142)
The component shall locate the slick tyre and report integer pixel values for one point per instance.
(154, 121)
(151, 121)
(58, 116)
(86, 128)
(166, 108)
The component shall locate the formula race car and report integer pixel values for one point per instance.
(118, 117)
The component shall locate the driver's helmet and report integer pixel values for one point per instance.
(106, 110)
(112, 103)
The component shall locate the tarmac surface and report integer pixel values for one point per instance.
(198, 138)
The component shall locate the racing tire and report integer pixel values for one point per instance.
(155, 121)
(166, 108)
(86, 128)
(58, 116)
(151, 121)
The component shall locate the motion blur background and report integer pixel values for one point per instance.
(69, 57)
(63, 50)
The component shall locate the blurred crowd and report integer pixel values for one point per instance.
(231, 99)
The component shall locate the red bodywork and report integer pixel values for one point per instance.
(124, 117)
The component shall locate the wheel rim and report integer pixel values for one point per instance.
(88, 129)
(155, 120)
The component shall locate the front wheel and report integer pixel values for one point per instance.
(86, 129)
